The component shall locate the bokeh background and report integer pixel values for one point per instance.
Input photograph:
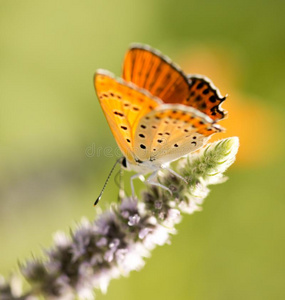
(50, 119)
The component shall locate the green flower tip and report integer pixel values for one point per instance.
(210, 162)
(227, 149)
(219, 156)
(231, 144)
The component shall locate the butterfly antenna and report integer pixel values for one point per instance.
(106, 182)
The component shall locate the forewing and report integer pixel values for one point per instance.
(171, 131)
(149, 69)
(123, 105)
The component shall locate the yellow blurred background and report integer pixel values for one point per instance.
(50, 119)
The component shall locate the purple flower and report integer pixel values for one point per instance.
(119, 240)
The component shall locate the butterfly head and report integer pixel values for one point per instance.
(124, 163)
(129, 166)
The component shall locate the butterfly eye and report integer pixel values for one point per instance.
(124, 162)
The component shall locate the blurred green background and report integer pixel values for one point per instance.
(50, 117)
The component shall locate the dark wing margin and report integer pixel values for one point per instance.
(205, 97)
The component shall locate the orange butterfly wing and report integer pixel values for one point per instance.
(123, 105)
(171, 131)
(149, 69)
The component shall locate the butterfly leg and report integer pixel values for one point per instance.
(151, 180)
(140, 176)
(176, 174)
(121, 185)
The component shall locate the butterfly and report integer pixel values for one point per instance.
(156, 112)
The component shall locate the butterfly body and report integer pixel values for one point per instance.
(156, 113)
